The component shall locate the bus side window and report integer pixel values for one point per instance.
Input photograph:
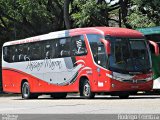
(49, 50)
(53, 48)
(6, 54)
(35, 50)
(102, 56)
(21, 53)
(78, 46)
(94, 42)
(28, 52)
(64, 47)
(25, 52)
(15, 56)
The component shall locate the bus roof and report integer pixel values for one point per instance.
(112, 31)
(150, 30)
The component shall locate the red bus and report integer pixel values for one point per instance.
(85, 60)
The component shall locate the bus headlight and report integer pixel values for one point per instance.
(114, 76)
(149, 78)
(117, 78)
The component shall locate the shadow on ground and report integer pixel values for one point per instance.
(97, 97)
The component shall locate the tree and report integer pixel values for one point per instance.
(30, 17)
(144, 13)
(66, 14)
(94, 13)
(124, 5)
(150, 8)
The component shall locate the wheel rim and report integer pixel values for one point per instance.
(25, 90)
(86, 90)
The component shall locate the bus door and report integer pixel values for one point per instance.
(102, 62)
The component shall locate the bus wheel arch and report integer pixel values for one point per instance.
(84, 83)
(25, 90)
(82, 79)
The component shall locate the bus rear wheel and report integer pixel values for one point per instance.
(85, 90)
(59, 95)
(26, 94)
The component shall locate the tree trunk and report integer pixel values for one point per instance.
(66, 14)
(124, 12)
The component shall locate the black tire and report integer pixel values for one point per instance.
(26, 94)
(124, 96)
(59, 95)
(85, 90)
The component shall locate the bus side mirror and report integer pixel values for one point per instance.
(107, 46)
(156, 47)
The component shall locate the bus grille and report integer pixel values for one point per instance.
(134, 81)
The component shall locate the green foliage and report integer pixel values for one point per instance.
(24, 18)
(139, 20)
(30, 17)
(82, 15)
(89, 13)
(144, 13)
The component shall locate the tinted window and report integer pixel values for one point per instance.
(6, 54)
(57, 48)
(129, 55)
(102, 56)
(15, 52)
(94, 41)
(35, 50)
(64, 47)
(49, 49)
(78, 46)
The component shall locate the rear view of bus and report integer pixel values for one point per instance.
(109, 60)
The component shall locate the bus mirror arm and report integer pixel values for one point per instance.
(107, 46)
(156, 47)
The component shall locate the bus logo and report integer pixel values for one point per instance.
(135, 81)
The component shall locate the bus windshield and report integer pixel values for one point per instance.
(129, 55)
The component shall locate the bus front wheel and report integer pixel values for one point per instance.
(26, 94)
(85, 90)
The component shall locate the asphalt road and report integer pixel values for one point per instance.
(142, 104)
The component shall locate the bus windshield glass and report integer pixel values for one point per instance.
(129, 55)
